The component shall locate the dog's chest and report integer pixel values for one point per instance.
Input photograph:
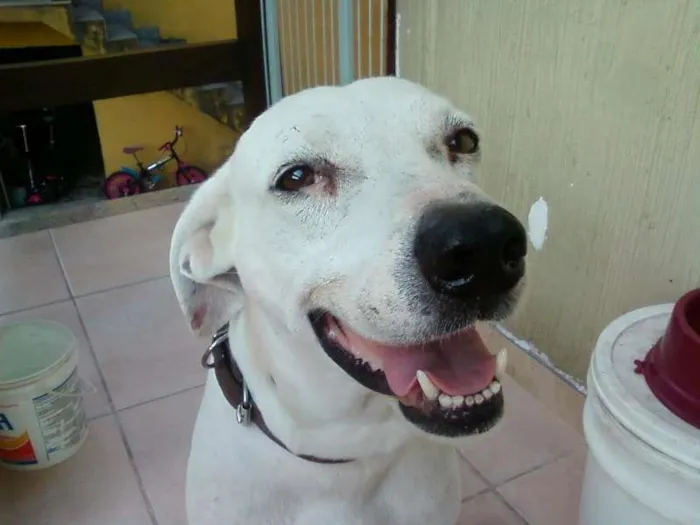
(242, 486)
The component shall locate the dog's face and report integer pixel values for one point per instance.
(353, 211)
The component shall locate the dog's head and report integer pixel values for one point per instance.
(353, 212)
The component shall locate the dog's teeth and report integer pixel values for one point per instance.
(478, 399)
(469, 401)
(429, 389)
(495, 387)
(445, 401)
(487, 393)
(457, 401)
(501, 362)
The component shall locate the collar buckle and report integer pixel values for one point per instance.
(209, 361)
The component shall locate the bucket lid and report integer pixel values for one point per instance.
(626, 394)
(29, 349)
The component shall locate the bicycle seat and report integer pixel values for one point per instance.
(130, 150)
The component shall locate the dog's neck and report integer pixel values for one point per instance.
(309, 403)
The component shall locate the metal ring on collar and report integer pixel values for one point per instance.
(207, 361)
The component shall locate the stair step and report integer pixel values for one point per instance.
(172, 41)
(117, 32)
(148, 44)
(86, 14)
(92, 4)
(120, 17)
(148, 33)
(232, 92)
(212, 87)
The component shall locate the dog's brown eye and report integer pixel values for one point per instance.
(463, 142)
(296, 178)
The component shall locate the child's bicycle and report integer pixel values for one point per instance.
(128, 181)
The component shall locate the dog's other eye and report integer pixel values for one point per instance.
(296, 178)
(463, 142)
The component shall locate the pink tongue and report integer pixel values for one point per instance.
(460, 365)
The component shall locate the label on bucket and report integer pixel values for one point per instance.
(35, 430)
(61, 415)
(16, 447)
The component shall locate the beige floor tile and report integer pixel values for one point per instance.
(472, 482)
(142, 342)
(550, 495)
(30, 274)
(556, 395)
(118, 250)
(96, 486)
(488, 509)
(95, 397)
(159, 435)
(528, 437)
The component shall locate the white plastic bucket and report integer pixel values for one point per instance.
(644, 462)
(42, 418)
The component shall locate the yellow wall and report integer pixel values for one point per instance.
(592, 106)
(195, 20)
(31, 34)
(149, 120)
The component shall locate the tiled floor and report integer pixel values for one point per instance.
(107, 280)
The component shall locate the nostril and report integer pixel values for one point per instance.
(513, 255)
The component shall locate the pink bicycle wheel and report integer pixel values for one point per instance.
(121, 184)
(190, 175)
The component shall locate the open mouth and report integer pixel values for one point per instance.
(448, 386)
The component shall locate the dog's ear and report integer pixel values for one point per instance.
(201, 262)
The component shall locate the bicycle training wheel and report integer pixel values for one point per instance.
(121, 184)
(190, 175)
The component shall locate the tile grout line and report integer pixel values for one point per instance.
(499, 497)
(122, 286)
(534, 469)
(475, 471)
(57, 255)
(40, 305)
(503, 500)
(81, 296)
(113, 412)
(487, 490)
(159, 398)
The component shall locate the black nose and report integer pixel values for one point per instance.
(470, 250)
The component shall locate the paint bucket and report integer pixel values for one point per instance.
(643, 464)
(42, 418)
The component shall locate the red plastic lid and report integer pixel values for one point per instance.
(672, 366)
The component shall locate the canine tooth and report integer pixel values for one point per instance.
(478, 399)
(469, 401)
(445, 401)
(501, 362)
(457, 401)
(495, 387)
(429, 389)
(487, 393)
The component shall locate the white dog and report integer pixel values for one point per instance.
(349, 251)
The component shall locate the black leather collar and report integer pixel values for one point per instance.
(230, 379)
